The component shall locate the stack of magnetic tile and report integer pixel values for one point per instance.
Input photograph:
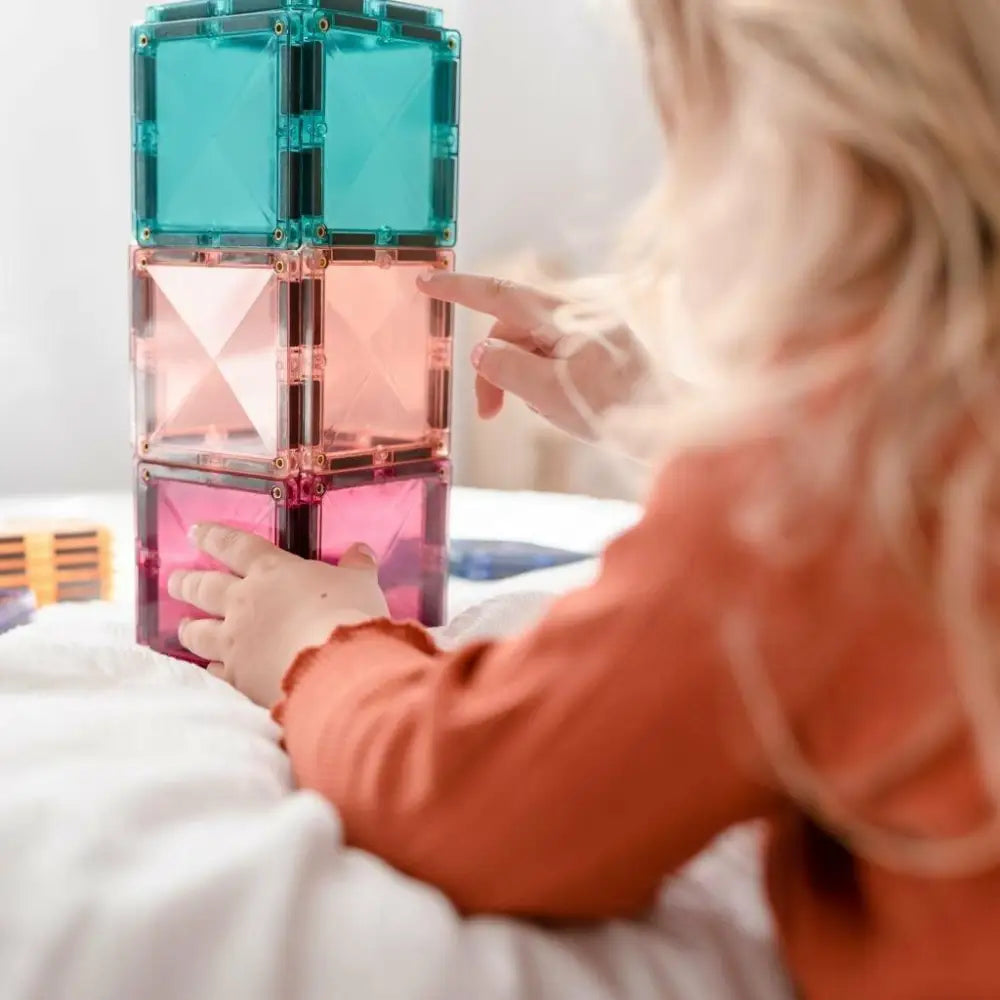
(295, 172)
(57, 561)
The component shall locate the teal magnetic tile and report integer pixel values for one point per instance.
(212, 136)
(185, 10)
(386, 135)
(407, 12)
(296, 125)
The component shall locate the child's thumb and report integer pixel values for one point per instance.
(358, 557)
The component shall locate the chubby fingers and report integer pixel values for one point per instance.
(358, 556)
(489, 398)
(504, 367)
(221, 671)
(209, 592)
(206, 639)
(237, 550)
(517, 306)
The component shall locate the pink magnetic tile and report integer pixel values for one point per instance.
(168, 510)
(207, 351)
(403, 521)
(387, 351)
(401, 514)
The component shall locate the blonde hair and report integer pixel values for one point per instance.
(828, 230)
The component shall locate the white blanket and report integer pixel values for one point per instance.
(152, 848)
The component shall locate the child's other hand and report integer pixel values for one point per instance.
(526, 354)
(270, 607)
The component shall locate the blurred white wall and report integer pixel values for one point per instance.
(557, 142)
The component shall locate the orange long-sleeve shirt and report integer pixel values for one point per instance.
(564, 773)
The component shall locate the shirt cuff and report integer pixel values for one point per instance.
(370, 635)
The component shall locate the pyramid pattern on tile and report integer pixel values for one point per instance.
(295, 168)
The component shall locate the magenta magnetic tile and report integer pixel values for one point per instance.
(169, 502)
(401, 514)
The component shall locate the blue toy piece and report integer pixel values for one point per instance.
(493, 560)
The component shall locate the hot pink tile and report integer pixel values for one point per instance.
(400, 513)
(167, 510)
(403, 520)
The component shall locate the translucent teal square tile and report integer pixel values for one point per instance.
(385, 130)
(406, 13)
(300, 124)
(186, 10)
(213, 136)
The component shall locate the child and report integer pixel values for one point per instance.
(803, 629)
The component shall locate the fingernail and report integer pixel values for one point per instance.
(174, 583)
(477, 354)
(194, 532)
(367, 551)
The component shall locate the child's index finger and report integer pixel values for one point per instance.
(239, 551)
(507, 301)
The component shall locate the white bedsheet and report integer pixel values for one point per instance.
(152, 848)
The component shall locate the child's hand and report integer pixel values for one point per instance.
(271, 607)
(527, 355)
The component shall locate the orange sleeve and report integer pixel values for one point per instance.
(563, 773)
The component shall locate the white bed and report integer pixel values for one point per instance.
(152, 848)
